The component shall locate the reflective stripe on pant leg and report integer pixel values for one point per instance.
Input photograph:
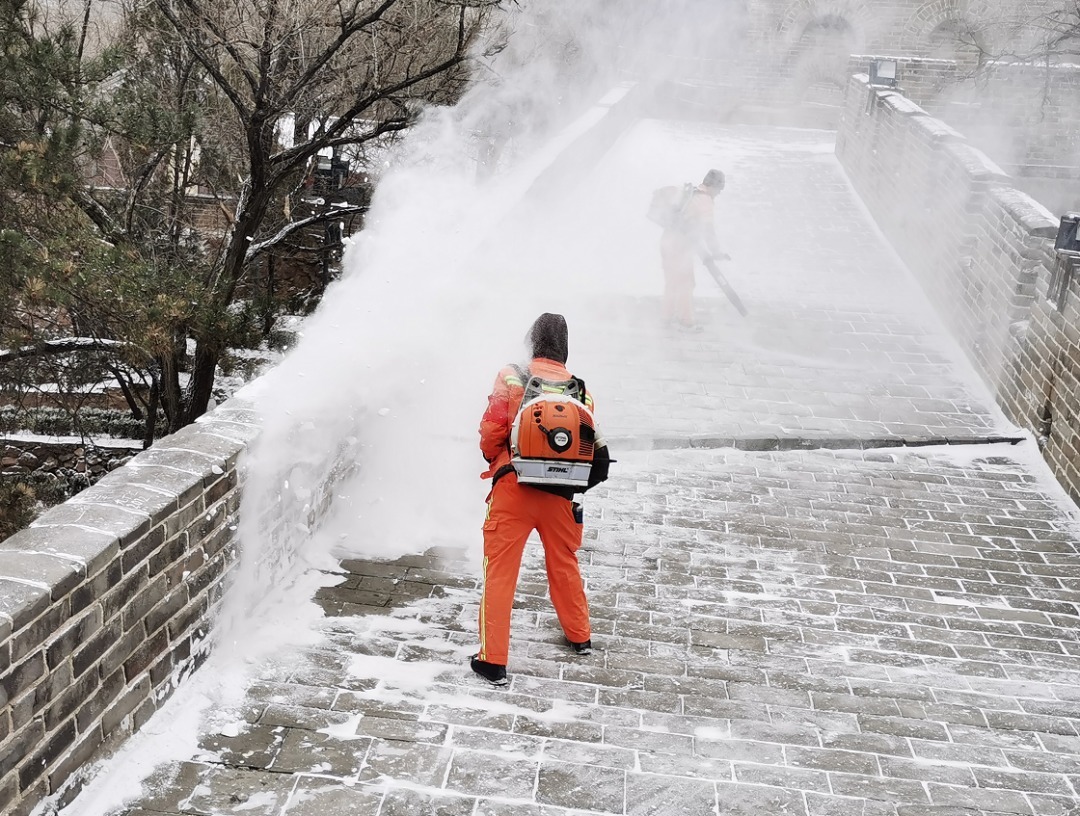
(561, 536)
(483, 625)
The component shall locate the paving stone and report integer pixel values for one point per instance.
(420, 803)
(978, 798)
(481, 774)
(606, 756)
(648, 794)
(312, 752)
(255, 746)
(391, 761)
(316, 796)
(754, 800)
(583, 787)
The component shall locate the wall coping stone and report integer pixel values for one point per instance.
(938, 131)
(906, 58)
(898, 102)
(102, 518)
(159, 478)
(156, 505)
(91, 550)
(43, 570)
(1036, 219)
(185, 461)
(201, 439)
(976, 163)
(241, 432)
(21, 602)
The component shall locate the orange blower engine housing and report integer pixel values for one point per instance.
(552, 442)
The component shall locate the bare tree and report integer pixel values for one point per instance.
(289, 79)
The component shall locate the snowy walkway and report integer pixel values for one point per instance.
(886, 632)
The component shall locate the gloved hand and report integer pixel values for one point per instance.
(721, 256)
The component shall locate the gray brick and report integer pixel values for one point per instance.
(118, 651)
(79, 757)
(21, 745)
(478, 774)
(588, 787)
(753, 800)
(978, 798)
(882, 788)
(138, 608)
(136, 549)
(78, 631)
(22, 676)
(127, 703)
(120, 592)
(46, 754)
(95, 704)
(145, 654)
(408, 803)
(99, 583)
(168, 608)
(32, 636)
(317, 797)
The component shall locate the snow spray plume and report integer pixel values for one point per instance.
(370, 422)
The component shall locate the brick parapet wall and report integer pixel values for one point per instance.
(105, 602)
(1044, 380)
(983, 251)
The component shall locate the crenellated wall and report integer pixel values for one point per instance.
(983, 251)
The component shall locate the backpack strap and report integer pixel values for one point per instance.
(522, 375)
(581, 390)
(522, 380)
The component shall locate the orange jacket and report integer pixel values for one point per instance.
(503, 405)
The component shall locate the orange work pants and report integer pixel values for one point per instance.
(677, 259)
(514, 511)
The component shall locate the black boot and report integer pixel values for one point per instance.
(492, 672)
(580, 648)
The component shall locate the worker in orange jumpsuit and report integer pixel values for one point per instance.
(515, 510)
(692, 233)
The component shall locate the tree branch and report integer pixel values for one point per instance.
(329, 215)
(289, 159)
(348, 30)
(64, 346)
(98, 214)
(186, 33)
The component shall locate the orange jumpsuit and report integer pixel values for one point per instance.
(679, 246)
(513, 512)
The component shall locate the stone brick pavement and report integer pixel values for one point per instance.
(888, 632)
(816, 633)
